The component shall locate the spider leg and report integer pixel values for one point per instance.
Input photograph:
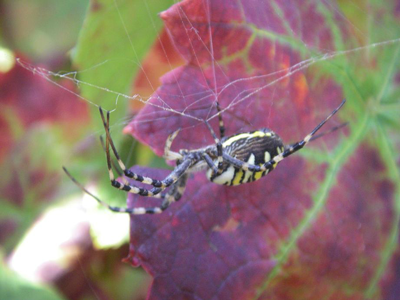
(158, 185)
(120, 174)
(210, 163)
(175, 193)
(177, 179)
(133, 211)
(219, 150)
(328, 131)
(237, 163)
(110, 163)
(168, 154)
(113, 162)
(128, 173)
(221, 121)
(266, 167)
(168, 181)
(290, 149)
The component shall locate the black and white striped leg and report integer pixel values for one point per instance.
(168, 154)
(317, 136)
(271, 164)
(168, 181)
(245, 165)
(114, 166)
(210, 163)
(290, 149)
(221, 122)
(158, 185)
(128, 173)
(175, 193)
(219, 150)
(133, 211)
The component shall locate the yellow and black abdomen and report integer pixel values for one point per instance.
(256, 148)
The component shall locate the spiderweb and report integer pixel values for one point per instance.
(313, 55)
(332, 40)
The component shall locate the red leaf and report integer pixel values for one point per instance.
(192, 89)
(29, 101)
(27, 98)
(161, 58)
(304, 232)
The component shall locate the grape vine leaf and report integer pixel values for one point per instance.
(324, 224)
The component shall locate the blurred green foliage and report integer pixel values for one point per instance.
(106, 39)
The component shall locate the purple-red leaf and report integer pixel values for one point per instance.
(315, 228)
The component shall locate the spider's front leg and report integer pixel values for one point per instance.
(168, 153)
(177, 178)
(219, 168)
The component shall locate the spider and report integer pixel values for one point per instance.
(233, 160)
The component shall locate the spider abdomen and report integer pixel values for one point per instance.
(255, 148)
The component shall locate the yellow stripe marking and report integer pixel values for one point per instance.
(238, 176)
(247, 135)
(267, 156)
(248, 174)
(258, 175)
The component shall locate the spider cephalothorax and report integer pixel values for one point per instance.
(233, 160)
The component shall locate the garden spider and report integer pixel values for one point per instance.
(233, 160)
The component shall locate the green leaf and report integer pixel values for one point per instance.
(115, 37)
